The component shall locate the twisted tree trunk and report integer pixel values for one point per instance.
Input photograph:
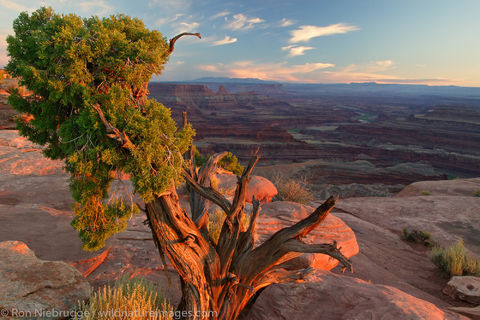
(222, 278)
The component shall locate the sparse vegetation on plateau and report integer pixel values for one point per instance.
(135, 299)
(477, 193)
(455, 260)
(425, 193)
(417, 236)
(290, 189)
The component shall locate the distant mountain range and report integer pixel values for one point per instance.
(232, 80)
(366, 88)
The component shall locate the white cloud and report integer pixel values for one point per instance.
(296, 51)
(219, 15)
(3, 46)
(266, 71)
(169, 5)
(12, 5)
(370, 67)
(373, 71)
(242, 22)
(161, 21)
(286, 22)
(96, 7)
(305, 33)
(187, 27)
(226, 40)
(384, 63)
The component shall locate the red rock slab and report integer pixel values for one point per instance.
(329, 296)
(280, 214)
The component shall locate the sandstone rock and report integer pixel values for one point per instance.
(447, 218)
(384, 258)
(280, 214)
(465, 288)
(28, 284)
(472, 313)
(336, 297)
(260, 187)
(455, 187)
(21, 157)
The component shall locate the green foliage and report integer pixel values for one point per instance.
(477, 193)
(289, 189)
(455, 260)
(71, 65)
(129, 299)
(215, 223)
(228, 162)
(425, 193)
(416, 236)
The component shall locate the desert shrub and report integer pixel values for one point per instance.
(215, 223)
(290, 189)
(416, 236)
(425, 193)
(134, 299)
(228, 162)
(477, 193)
(455, 260)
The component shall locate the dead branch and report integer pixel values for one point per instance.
(208, 193)
(174, 39)
(95, 262)
(113, 132)
(332, 250)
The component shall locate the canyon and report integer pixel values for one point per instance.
(356, 140)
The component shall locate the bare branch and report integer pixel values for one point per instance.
(241, 190)
(301, 228)
(113, 132)
(332, 250)
(281, 276)
(184, 116)
(174, 39)
(208, 193)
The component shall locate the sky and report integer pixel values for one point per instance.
(434, 42)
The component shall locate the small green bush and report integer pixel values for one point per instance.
(228, 162)
(134, 299)
(455, 260)
(425, 193)
(416, 236)
(477, 193)
(215, 223)
(295, 190)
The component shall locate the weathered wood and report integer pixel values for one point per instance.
(174, 39)
(223, 278)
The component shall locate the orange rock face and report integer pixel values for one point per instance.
(28, 284)
(333, 297)
(260, 187)
(281, 214)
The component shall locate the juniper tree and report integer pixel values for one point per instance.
(89, 107)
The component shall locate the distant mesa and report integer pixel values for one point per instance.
(233, 80)
(221, 91)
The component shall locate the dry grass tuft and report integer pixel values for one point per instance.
(290, 189)
(134, 299)
(455, 260)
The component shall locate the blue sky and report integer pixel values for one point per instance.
(432, 42)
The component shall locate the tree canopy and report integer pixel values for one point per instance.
(88, 79)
